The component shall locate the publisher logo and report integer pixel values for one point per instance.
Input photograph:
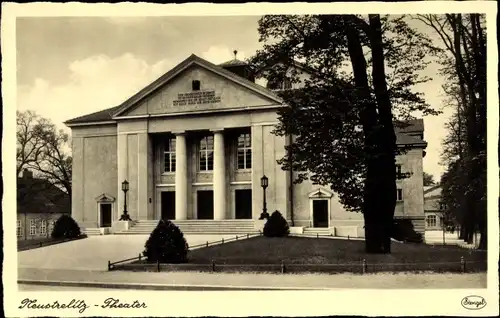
(473, 302)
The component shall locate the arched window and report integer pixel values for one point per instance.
(169, 155)
(207, 153)
(431, 220)
(244, 151)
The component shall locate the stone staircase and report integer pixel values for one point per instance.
(92, 231)
(317, 230)
(197, 227)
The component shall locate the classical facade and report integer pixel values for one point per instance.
(193, 146)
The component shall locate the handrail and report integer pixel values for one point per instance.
(206, 244)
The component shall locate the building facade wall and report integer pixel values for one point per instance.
(94, 171)
(106, 155)
(24, 221)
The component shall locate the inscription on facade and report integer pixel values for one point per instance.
(196, 98)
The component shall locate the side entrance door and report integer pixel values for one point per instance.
(105, 215)
(320, 213)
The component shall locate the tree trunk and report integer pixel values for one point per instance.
(368, 117)
(386, 137)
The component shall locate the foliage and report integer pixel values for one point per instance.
(463, 59)
(362, 73)
(329, 126)
(403, 231)
(41, 147)
(65, 227)
(166, 244)
(428, 179)
(276, 226)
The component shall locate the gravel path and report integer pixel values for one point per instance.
(319, 281)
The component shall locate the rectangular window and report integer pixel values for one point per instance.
(169, 155)
(19, 230)
(398, 171)
(196, 85)
(431, 220)
(207, 153)
(244, 151)
(399, 194)
(43, 227)
(51, 226)
(32, 227)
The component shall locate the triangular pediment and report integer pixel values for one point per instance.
(105, 198)
(320, 193)
(219, 90)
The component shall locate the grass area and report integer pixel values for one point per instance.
(24, 245)
(301, 250)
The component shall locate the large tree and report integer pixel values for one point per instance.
(428, 179)
(342, 121)
(463, 57)
(43, 149)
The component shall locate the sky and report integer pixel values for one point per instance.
(72, 66)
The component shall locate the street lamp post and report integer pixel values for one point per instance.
(264, 182)
(125, 216)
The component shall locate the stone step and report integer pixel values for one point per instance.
(203, 230)
(204, 233)
(92, 231)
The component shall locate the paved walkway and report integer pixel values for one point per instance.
(197, 280)
(94, 252)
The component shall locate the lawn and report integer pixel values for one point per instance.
(303, 254)
(23, 245)
(301, 250)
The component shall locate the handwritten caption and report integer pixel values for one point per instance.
(195, 98)
(80, 305)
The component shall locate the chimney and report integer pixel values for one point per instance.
(27, 174)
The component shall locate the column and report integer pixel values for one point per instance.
(122, 162)
(219, 177)
(181, 176)
(144, 182)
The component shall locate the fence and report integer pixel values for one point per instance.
(112, 266)
(361, 267)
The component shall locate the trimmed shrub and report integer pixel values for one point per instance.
(276, 226)
(403, 231)
(166, 244)
(65, 227)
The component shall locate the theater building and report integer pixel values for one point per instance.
(193, 147)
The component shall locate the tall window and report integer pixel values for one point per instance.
(51, 225)
(398, 171)
(431, 220)
(207, 153)
(244, 151)
(19, 230)
(32, 227)
(169, 155)
(43, 227)
(399, 194)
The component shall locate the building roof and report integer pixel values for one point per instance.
(413, 125)
(110, 113)
(432, 189)
(36, 195)
(102, 115)
(106, 115)
(234, 62)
